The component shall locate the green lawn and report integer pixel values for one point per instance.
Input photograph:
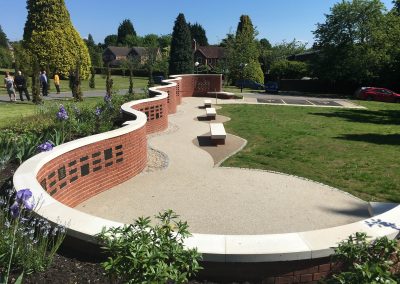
(10, 112)
(354, 150)
(120, 82)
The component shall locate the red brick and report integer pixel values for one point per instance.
(324, 267)
(318, 276)
(306, 278)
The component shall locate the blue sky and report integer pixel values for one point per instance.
(276, 20)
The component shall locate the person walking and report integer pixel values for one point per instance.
(20, 83)
(57, 82)
(44, 83)
(9, 85)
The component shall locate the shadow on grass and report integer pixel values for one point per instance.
(379, 139)
(365, 116)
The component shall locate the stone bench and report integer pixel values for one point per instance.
(211, 113)
(207, 103)
(218, 134)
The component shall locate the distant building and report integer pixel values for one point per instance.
(304, 57)
(208, 56)
(116, 55)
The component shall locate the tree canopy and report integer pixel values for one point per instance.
(355, 42)
(50, 36)
(198, 33)
(3, 39)
(243, 53)
(181, 55)
(125, 29)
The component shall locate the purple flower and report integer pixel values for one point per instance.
(107, 98)
(62, 113)
(46, 146)
(24, 196)
(98, 111)
(14, 209)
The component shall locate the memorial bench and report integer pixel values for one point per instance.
(218, 134)
(207, 103)
(211, 113)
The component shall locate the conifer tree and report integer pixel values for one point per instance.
(198, 33)
(125, 29)
(36, 98)
(243, 53)
(181, 55)
(51, 37)
(3, 39)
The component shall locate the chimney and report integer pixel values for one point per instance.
(194, 45)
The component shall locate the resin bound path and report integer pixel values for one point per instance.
(217, 200)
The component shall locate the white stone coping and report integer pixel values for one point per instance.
(217, 248)
(217, 131)
(210, 111)
(221, 93)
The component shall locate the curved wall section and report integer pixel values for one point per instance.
(199, 85)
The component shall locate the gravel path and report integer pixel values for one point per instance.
(216, 200)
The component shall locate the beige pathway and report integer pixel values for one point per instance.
(222, 200)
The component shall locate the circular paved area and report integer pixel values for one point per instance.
(218, 200)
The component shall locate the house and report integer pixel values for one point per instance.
(115, 55)
(209, 56)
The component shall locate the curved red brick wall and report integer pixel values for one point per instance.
(199, 85)
(157, 114)
(84, 172)
(81, 173)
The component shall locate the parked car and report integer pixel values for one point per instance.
(158, 79)
(246, 83)
(377, 94)
(271, 87)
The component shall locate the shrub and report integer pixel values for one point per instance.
(142, 253)
(27, 243)
(366, 262)
(284, 69)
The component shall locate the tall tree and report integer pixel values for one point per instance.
(3, 39)
(181, 55)
(396, 6)
(351, 42)
(51, 37)
(243, 53)
(95, 52)
(125, 29)
(198, 33)
(110, 40)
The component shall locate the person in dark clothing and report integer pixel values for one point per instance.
(44, 83)
(20, 83)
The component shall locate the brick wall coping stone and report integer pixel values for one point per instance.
(216, 248)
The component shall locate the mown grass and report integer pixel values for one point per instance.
(120, 83)
(354, 150)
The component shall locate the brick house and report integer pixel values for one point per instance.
(208, 56)
(115, 55)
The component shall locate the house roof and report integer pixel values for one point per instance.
(212, 51)
(139, 50)
(119, 51)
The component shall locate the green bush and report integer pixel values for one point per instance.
(142, 253)
(365, 262)
(284, 69)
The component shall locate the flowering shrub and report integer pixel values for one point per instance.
(62, 113)
(46, 146)
(27, 243)
(141, 253)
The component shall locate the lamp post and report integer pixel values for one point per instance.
(196, 64)
(242, 65)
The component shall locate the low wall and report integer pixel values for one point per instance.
(80, 169)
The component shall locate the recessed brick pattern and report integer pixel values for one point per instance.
(84, 172)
